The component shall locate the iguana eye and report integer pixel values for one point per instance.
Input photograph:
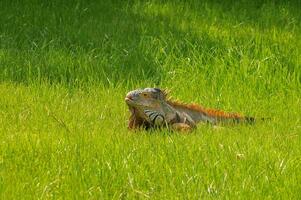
(145, 95)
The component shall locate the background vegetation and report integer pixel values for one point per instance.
(65, 67)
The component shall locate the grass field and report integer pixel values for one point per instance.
(65, 67)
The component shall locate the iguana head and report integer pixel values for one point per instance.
(145, 98)
(146, 107)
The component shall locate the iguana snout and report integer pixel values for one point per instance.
(131, 97)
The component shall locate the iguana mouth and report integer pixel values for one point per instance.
(129, 100)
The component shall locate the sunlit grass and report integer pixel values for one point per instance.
(66, 66)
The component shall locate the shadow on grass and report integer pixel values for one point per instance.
(117, 41)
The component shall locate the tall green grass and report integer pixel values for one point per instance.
(65, 67)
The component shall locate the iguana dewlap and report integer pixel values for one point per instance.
(150, 107)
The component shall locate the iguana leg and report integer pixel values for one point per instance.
(188, 120)
(182, 122)
(182, 127)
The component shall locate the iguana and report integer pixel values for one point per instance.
(150, 107)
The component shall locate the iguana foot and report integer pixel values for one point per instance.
(182, 127)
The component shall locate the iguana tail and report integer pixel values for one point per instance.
(200, 114)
